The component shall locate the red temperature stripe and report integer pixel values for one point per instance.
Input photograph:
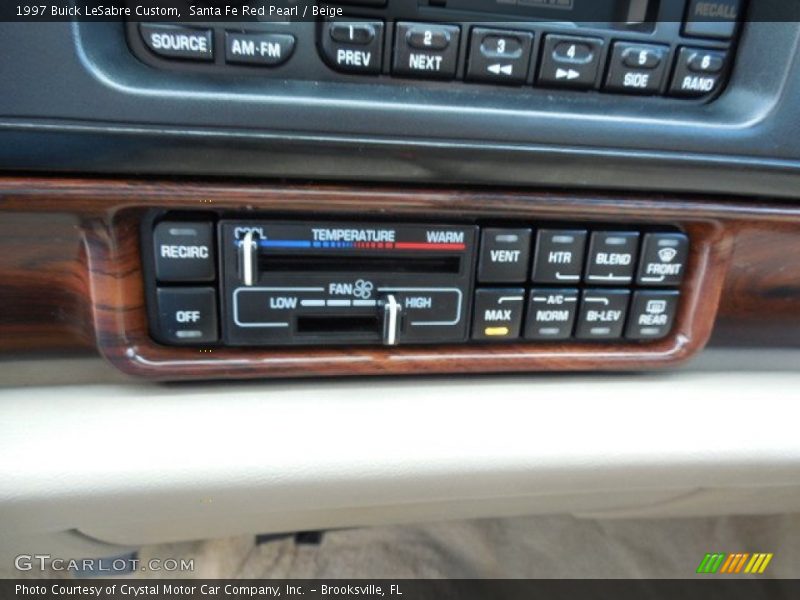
(427, 246)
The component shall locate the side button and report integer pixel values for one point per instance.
(498, 314)
(602, 314)
(652, 314)
(174, 41)
(187, 315)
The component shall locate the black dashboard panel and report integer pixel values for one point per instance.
(82, 101)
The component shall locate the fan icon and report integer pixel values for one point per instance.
(363, 289)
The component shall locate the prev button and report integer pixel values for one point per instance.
(353, 46)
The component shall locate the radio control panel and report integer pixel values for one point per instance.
(254, 282)
(678, 48)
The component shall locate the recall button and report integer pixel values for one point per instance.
(174, 41)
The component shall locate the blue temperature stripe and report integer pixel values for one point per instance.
(300, 244)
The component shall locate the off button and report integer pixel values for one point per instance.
(187, 315)
(184, 251)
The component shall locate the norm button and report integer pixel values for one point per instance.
(551, 313)
(664, 258)
(570, 61)
(184, 251)
(426, 50)
(499, 56)
(498, 314)
(602, 314)
(559, 256)
(353, 46)
(612, 257)
(504, 255)
(652, 314)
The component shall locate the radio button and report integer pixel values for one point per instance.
(637, 68)
(551, 313)
(652, 314)
(426, 50)
(498, 314)
(712, 18)
(353, 46)
(698, 72)
(559, 256)
(612, 257)
(664, 257)
(570, 61)
(499, 56)
(602, 314)
(187, 315)
(261, 49)
(505, 255)
(184, 251)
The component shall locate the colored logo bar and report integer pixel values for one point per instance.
(734, 563)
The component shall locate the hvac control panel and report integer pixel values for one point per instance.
(246, 282)
(680, 48)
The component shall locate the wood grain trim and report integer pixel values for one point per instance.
(105, 288)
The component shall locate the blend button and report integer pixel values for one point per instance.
(498, 314)
(612, 257)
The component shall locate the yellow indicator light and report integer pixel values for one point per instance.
(496, 331)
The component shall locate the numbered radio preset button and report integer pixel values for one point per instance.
(570, 61)
(698, 72)
(426, 50)
(353, 46)
(637, 68)
(499, 56)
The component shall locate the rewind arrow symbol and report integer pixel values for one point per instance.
(497, 69)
